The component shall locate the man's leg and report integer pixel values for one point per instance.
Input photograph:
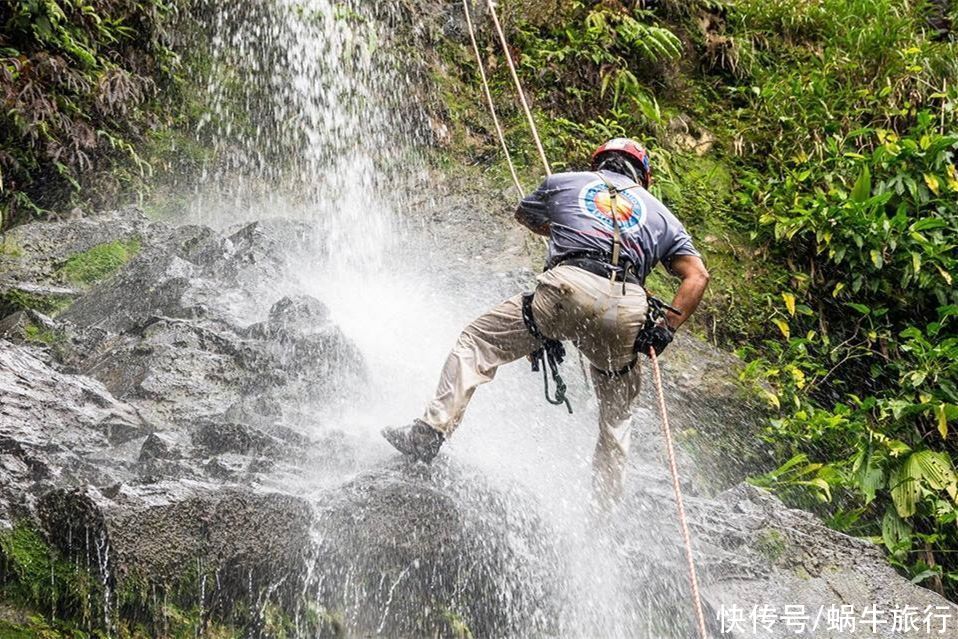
(496, 338)
(616, 396)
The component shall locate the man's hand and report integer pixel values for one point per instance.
(695, 279)
(655, 338)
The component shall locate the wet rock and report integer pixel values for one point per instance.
(25, 325)
(410, 550)
(299, 314)
(216, 438)
(159, 446)
(235, 544)
(753, 551)
(716, 419)
(180, 345)
(801, 562)
(48, 422)
(33, 252)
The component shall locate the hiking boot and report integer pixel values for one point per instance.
(418, 440)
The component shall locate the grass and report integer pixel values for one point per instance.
(15, 300)
(41, 335)
(99, 262)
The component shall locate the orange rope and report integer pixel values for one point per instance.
(680, 505)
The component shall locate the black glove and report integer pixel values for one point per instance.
(657, 337)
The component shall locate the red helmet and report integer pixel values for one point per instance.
(633, 150)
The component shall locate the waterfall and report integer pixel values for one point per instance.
(314, 114)
(310, 115)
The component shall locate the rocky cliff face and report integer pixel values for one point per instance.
(153, 428)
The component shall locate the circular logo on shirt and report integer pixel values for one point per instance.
(629, 207)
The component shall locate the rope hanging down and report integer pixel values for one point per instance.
(489, 101)
(657, 374)
(515, 79)
(679, 504)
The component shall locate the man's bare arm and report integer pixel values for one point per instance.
(695, 279)
(523, 219)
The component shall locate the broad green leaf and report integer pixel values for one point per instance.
(932, 182)
(789, 303)
(870, 481)
(773, 399)
(897, 448)
(861, 308)
(798, 376)
(863, 186)
(877, 259)
(801, 458)
(905, 488)
(944, 274)
(894, 530)
(934, 467)
(952, 177)
(928, 223)
(923, 575)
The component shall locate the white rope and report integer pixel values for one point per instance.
(515, 79)
(679, 504)
(489, 101)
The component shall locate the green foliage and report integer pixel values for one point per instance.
(851, 127)
(40, 335)
(98, 262)
(605, 57)
(15, 300)
(33, 575)
(83, 83)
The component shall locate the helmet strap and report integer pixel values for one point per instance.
(615, 163)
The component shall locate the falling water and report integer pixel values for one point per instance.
(315, 115)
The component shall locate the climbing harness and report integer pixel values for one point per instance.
(551, 352)
(616, 228)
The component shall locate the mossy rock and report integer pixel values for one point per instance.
(99, 262)
(50, 301)
(771, 544)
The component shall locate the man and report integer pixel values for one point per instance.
(590, 294)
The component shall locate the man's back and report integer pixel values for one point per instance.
(577, 208)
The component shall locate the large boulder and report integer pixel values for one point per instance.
(232, 551)
(411, 551)
(31, 255)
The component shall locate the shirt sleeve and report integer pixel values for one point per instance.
(677, 241)
(534, 210)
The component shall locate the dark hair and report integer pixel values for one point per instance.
(620, 163)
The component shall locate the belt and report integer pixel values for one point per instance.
(601, 268)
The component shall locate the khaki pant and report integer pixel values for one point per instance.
(570, 305)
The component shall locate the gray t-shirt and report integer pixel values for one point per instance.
(577, 208)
